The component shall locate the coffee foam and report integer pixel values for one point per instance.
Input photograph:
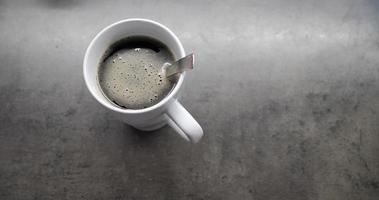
(132, 79)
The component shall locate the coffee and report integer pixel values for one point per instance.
(130, 72)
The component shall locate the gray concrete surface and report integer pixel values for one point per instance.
(287, 93)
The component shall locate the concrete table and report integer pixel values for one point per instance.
(287, 93)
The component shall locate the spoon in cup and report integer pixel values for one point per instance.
(179, 66)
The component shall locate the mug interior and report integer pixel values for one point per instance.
(120, 30)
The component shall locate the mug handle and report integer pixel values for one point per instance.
(183, 122)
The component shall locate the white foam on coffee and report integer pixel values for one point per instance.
(131, 78)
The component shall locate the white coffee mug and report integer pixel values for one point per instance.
(168, 110)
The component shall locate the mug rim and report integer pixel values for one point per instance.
(173, 92)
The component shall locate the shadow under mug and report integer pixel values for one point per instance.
(168, 110)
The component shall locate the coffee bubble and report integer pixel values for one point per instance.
(135, 80)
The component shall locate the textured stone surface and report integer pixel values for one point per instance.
(287, 93)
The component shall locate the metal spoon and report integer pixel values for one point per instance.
(179, 66)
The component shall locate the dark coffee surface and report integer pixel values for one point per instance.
(130, 74)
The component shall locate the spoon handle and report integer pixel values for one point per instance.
(183, 64)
